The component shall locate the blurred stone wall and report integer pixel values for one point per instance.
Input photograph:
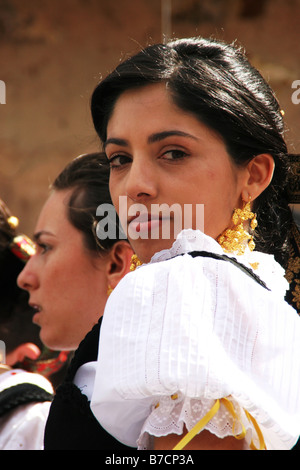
(53, 53)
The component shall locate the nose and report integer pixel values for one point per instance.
(142, 180)
(28, 279)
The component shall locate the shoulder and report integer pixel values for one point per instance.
(177, 261)
(18, 376)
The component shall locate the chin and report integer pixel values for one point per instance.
(51, 342)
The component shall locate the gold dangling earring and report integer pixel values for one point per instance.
(135, 262)
(109, 290)
(234, 240)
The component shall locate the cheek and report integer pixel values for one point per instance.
(113, 189)
(217, 191)
(53, 332)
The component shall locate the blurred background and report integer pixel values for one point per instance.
(54, 52)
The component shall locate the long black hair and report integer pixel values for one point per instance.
(216, 82)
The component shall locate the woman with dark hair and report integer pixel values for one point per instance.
(69, 280)
(216, 83)
(215, 347)
(72, 270)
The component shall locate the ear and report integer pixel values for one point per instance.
(29, 350)
(260, 174)
(119, 262)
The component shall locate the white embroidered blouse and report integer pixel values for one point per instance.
(180, 333)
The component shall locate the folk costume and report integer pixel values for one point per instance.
(197, 339)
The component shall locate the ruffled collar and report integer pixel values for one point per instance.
(262, 264)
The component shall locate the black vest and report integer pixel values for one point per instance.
(71, 424)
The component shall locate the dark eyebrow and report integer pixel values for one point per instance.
(116, 141)
(165, 134)
(38, 235)
(151, 139)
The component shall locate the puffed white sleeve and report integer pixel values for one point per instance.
(204, 330)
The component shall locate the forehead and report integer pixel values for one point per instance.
(54, 212)
(148, 96)
(150, 109)
(143, 109)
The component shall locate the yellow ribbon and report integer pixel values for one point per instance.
(211, 413)
(198, 427)
(262, 445)
(228, 404)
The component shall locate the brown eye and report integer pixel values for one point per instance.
(43, 248)
(174, 154)
(118, 161)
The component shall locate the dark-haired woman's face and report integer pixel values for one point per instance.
(160, 154)
(67, 284)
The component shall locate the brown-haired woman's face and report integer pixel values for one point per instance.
(66, 282)
(160, 154)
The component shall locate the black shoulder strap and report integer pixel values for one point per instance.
(71, 425)
(242, 267)
(87, 351)
(21, 394)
